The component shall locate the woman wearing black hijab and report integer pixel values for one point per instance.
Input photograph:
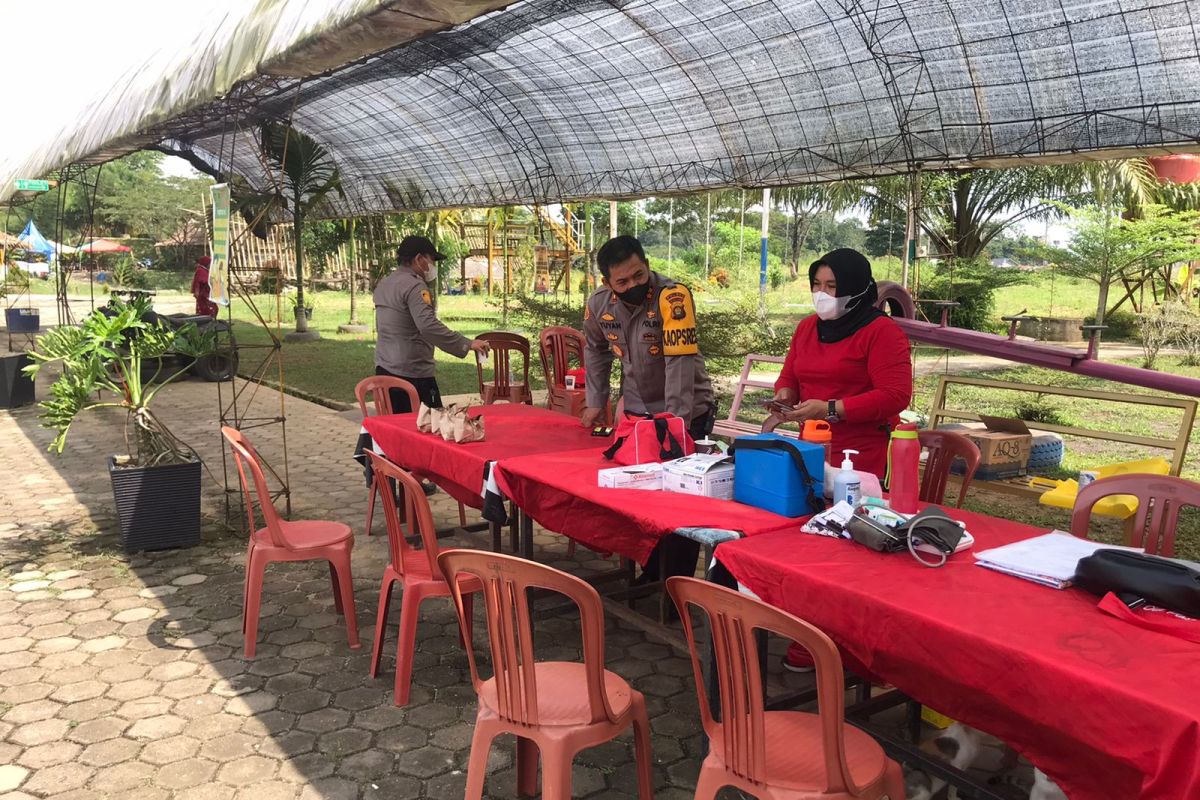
(848, 363)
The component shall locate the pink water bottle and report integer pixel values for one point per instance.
(904, 464)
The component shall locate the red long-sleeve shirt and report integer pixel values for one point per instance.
(870, 371)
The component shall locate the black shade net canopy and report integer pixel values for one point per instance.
(549, 100)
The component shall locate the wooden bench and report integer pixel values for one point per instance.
(731, 426)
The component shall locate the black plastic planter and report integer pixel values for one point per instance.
(22, 320)
(158, 507)
(16, 388)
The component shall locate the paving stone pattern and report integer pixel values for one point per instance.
(124, 677)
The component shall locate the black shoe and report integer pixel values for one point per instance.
(644, 578)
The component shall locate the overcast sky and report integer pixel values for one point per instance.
(75, 50)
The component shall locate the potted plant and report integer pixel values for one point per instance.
(307, 307)
(16, 388)
(156, 482)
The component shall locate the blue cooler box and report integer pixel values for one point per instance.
(770, 479)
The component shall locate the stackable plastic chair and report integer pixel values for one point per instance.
(943, 448)
(378, 390)
(776, 755)
(503, 346)
(417, 572)
(557, 345)
(287, 540)
(557, 707)
(1159, 501)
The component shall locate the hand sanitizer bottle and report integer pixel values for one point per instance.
(846, 484)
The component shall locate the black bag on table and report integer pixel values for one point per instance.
(1138, 578)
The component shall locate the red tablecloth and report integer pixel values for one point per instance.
(509, 430)
(1108, 710)
(559, 491)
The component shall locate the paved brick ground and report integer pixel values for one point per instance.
(124, 676)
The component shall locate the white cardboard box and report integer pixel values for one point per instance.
(704, 474)
(636, 476)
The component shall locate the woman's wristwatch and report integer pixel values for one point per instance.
(833, 415)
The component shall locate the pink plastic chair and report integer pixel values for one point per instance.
(378, 390)
(417, 571)
(287, 540)
(559, 707)
(776, 755)
(942, 448)
(1160, 499)
(503, 346)
(557, 346)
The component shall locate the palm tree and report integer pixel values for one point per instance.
(309, 174)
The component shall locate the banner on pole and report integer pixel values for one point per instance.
(218, 271)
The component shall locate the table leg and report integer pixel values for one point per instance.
(526, 536)
(494, 529)
(513, 524)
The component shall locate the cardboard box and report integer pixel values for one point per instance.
(704, 474)
(1004, 447)
(637, 476)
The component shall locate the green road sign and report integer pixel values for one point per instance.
(25, 185)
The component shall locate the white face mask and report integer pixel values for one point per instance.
(431, 273)
(829, 307)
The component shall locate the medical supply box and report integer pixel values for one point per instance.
(703, 474)
(636, 476)
(767, 476)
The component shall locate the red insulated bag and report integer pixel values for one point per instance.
(646, 438)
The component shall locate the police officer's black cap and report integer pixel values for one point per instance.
(413, 246)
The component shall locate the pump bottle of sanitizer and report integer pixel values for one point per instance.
(846, 485)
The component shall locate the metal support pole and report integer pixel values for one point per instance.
(911, 228)
(762, 262)
(612, 219)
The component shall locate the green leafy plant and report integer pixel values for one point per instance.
(110, 353)
(1039, 409)
(972, 283)
(310, 175)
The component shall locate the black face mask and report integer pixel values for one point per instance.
(635, 295)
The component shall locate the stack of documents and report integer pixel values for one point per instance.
(1049, 559)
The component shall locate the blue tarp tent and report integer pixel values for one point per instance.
(31, 239)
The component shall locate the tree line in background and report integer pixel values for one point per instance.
(1130, 231)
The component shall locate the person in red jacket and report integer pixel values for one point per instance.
(850, 364)
(200, 288)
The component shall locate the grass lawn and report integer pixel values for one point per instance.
(330, 368)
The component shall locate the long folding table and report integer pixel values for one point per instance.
(1108, 710)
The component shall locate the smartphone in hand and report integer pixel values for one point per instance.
(776, 406)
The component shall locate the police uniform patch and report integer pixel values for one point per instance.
(616, 348)
(651, 313)
(647, 336)
(612, 337)
(607, 317)
(679, 322)
(425, 296)
(655, 350)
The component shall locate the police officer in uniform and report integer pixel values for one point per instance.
(407, 327)
(648, 322)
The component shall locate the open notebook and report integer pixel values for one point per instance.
(1049, 559)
